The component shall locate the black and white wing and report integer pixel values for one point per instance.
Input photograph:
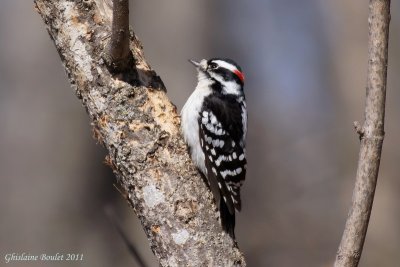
(222, 133)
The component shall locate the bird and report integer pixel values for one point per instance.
(214, 126)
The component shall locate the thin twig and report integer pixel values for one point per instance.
(131, 247)
(371, 135)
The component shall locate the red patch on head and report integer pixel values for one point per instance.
(240, 75)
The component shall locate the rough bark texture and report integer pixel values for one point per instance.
(138, 125)
(371, 136)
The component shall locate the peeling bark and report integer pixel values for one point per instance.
(133, 118)
(371, 135)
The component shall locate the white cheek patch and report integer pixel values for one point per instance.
(216, 77)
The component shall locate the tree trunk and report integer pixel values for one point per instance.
(135, 121)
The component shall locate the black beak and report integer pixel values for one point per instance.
(197, 64)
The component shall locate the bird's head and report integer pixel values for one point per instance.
(224, 72)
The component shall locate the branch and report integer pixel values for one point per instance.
(139, 127)
(131, 247)
(371, 135)
(117, 55)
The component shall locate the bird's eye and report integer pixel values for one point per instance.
(212, 66)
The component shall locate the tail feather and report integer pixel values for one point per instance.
(227, 219)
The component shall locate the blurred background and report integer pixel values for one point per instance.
(305, 66)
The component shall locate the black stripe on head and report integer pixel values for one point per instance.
(228, 75)
(224, 73)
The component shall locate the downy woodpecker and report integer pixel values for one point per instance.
(214, 125)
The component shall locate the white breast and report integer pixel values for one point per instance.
(189, 122)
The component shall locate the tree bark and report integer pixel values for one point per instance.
(133, 118)
(371, 136)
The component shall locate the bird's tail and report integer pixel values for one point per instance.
(227, 219)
